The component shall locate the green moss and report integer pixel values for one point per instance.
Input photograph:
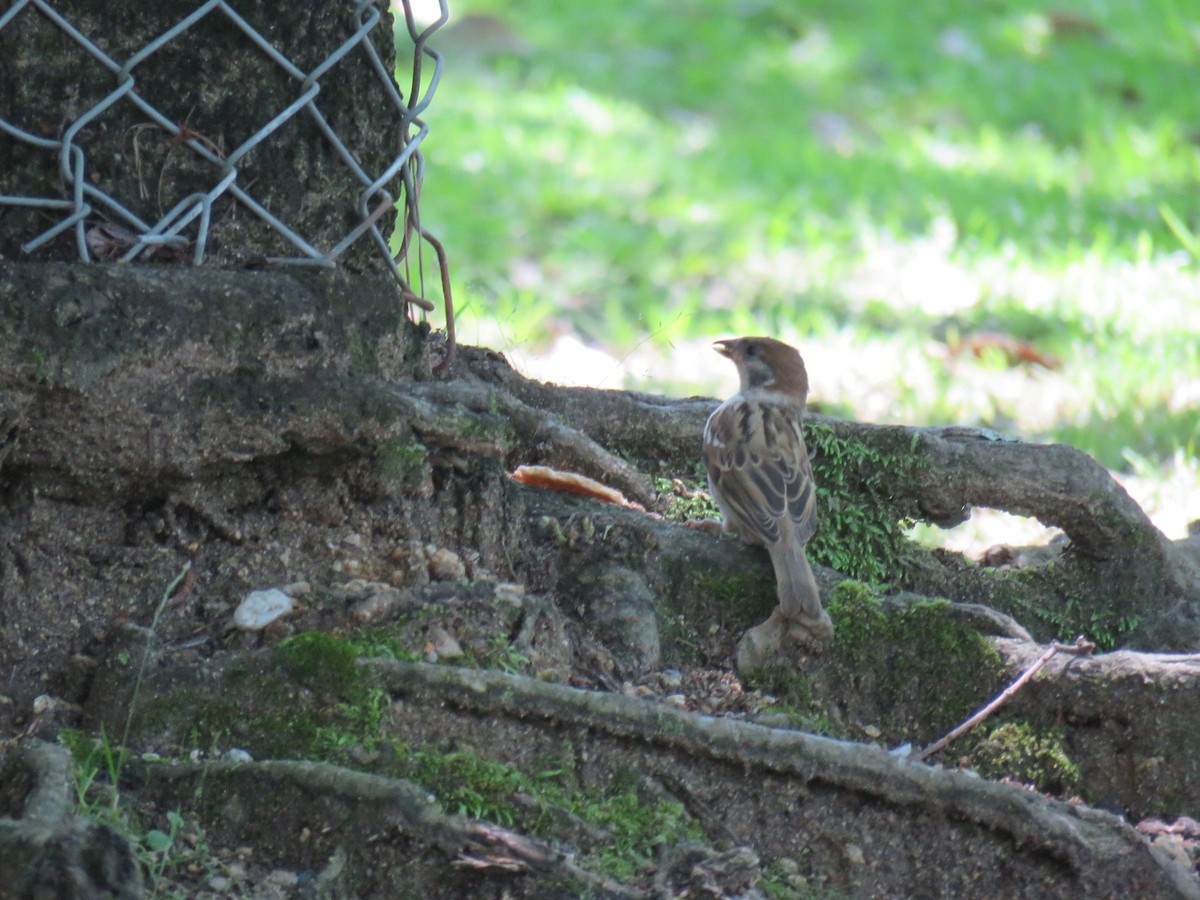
(261, 709)
(397, 459)
(862, 532)
(743, 588)
(925, 669)
(1034, 756)
(480, 426)
(685, 499)
(321, 659)
(382, 641)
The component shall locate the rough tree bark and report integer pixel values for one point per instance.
(213, 82)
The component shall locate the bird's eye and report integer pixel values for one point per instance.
(752, 350)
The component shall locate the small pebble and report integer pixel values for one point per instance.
(375, 606)
(671, 678)
(261, 608)
(283, 878)
(445, 645)
(676, 700)
(512, 594)
(236, 754)
(445, 565)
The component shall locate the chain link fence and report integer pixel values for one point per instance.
(108, 204)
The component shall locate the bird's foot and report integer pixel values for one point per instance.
(775, 639)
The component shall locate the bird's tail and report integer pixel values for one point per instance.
(799, 598)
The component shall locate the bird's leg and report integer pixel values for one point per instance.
(799, 597)
(799, 619)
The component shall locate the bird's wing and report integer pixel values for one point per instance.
(759, 470)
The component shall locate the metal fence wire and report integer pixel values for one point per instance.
(103, 223)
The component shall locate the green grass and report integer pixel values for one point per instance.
(867, 175)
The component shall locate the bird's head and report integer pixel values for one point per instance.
(766, 363)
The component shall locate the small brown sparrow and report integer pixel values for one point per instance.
(761, 478)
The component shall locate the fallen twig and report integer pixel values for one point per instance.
(1081, 647)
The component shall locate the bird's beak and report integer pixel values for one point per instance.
(722, 347)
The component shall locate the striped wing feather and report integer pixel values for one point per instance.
(759, 471)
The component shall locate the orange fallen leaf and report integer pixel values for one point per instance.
(1013, 349)
(571, 483)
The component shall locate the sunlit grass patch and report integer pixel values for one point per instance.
(879, 183)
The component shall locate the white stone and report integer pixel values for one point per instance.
(261, 608)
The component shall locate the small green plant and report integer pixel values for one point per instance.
(468, 784)
(160, 844)
(41, 368)
(100, 798)
(632, 820)
(1066, 618)
(368, 642)
(96, 774)
(1188, 239)
(93, 757)
(502, 655)
(636, 825)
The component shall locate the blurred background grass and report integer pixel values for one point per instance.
(982, 212)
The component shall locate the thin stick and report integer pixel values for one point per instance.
(1081, 647)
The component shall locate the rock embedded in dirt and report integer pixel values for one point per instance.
(445, 565)
(260, 608)
(444, 644)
